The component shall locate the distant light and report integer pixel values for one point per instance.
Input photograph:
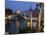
(9, 16)
(18, 11)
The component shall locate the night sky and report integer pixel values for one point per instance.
(22, 5)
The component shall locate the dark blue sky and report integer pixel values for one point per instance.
(14, 5)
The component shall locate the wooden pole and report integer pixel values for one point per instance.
(40, 19)
(31, 20)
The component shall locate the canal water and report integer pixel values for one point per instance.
(12, 29)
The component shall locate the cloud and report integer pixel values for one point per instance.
(16, 0)
(29, 0)
(26, 0)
